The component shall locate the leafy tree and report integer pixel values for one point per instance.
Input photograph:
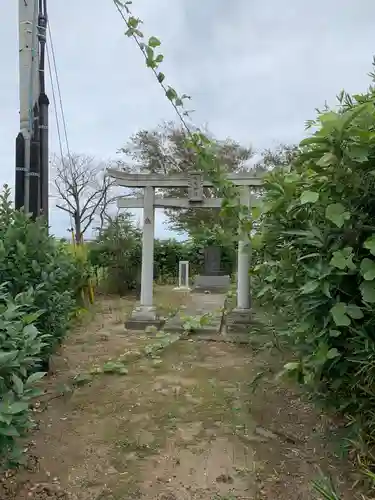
(165, 150)
(118, 227)
(117, 249)
(282, 156)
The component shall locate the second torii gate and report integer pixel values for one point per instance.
(145, 314)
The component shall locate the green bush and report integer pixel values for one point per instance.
(167, 254)
(118, 251)
(21, 345)
(40, 282)
(318, 269)
(29, 257)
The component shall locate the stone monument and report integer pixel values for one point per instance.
(213, 280)
(212, 261)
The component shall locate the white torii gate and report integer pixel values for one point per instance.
(145, 314)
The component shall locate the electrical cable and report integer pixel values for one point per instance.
(59, 90)
(57, 117)
(55, 104)
(90, 289)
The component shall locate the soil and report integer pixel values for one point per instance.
(181, 424)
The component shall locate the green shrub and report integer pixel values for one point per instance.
(21, 345)
(118, 251)
(29, 257)
(41, 283)
(318, 267)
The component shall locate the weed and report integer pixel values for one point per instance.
(325, 489)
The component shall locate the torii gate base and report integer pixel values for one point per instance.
(238, 320)
(141, 319)
(145, 314)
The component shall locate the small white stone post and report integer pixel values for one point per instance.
(183, 285)
(147, 279)
(243, 264)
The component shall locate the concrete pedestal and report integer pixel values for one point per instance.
(212, 284)
(185, 289)
(142, 317)
(200, 305)
(239, 320)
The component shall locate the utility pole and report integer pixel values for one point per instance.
(32, 140)
(43, 111)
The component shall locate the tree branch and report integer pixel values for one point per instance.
(65, 209)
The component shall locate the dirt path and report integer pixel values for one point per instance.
(185, 425)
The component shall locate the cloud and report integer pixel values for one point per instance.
(256, 70)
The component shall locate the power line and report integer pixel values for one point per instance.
(61, 108)
(55, 104)
(59, 90)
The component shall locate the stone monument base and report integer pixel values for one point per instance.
(143, 317)
(185, 289)
(211, 284)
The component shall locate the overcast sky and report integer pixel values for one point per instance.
(255, 69)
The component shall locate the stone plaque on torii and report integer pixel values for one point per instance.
(145, 313)
(195, 191)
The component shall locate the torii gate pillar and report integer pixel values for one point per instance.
(145, 314)
(241, 315)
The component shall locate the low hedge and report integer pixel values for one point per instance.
(21, 347)
(41, 281)
(30, 257)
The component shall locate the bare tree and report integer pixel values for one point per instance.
(84, 191)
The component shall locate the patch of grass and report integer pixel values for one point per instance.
(126, 453)
(168, 301)
(129, 490)
(142, 450)
(243, 471)
(228, 496)
(324, 489)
